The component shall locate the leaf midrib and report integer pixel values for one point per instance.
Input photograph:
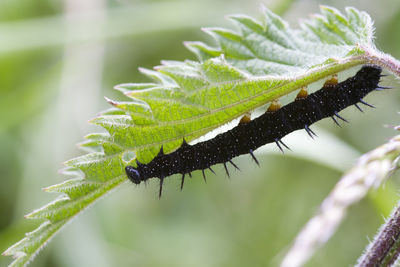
(301, 80)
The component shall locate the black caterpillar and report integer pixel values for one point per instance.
(270, 127)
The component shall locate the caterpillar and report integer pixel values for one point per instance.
(270, 127)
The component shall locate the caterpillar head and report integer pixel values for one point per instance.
(133, 174)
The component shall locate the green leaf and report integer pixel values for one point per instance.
(259, 62)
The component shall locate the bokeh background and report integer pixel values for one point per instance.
(57, 61)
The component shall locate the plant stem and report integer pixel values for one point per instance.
(385, 249)
(370, 171)
(384, 60)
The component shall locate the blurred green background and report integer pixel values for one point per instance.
(57, 61)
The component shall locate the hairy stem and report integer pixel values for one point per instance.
(384, 60)
(369, 172)
(385, 249)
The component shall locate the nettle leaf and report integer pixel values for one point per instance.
(260, 61)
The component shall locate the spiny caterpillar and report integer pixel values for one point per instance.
(270, 127)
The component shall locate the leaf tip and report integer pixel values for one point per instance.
(120, 87)
(206, 29)
(6, 252)
(110, 101)
(188, 43)
(210, 30)
(141, 69)
(324, 7)
(94, 121)
(47, 189)
(262, 7)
